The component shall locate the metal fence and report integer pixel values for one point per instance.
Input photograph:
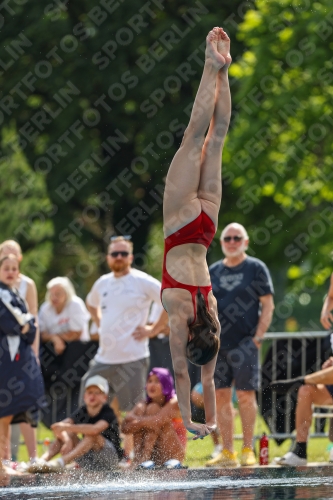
(273, 339)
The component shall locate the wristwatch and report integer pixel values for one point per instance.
(259, 339)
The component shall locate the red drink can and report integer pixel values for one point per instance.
(263, 450)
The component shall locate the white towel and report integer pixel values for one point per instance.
(13, 344)
(21, 317)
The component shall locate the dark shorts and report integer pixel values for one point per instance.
(104, 459)
(127, 381)
(240, 365)
(330, 389)
(30, 418)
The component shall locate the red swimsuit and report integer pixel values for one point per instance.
(201, 230)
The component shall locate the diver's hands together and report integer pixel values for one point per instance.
(200, 430)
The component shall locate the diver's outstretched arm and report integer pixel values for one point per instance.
(183, 387)
(208, 385)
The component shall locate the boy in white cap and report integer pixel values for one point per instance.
(95, 420)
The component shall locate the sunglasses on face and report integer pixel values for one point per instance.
(122, 254)
(126, 237)
(227, 239)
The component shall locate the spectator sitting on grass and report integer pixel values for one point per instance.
(100, 447)
(156, 424)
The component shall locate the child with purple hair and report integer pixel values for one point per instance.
(156, 424)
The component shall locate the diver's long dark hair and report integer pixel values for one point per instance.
(204, 344)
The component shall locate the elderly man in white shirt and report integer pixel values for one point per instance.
(119, 303)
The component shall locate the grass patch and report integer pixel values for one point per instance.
(199, 451)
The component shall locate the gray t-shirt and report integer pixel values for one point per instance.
(237, 291)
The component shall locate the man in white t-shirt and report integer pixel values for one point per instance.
(119, 303)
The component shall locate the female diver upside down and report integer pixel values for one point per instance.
(191, 205)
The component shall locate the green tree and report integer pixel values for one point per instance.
(279, 153)
(100, 94)
(25, 208)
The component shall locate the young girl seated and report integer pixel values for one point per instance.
(156, 424)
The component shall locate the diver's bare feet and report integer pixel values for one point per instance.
(212, 54)
(223, 47)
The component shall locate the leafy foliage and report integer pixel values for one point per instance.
(280, 148)
(100, 94)
(25, 208)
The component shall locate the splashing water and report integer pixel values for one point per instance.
(200, 484)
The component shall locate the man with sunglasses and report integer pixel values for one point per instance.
(244, 292)
(119, 303)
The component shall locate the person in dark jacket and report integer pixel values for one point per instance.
(21, 383)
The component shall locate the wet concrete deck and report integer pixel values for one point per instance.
(310, 482)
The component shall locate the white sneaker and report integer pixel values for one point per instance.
(57, 465)
(125, 463)
(51, 466)
(148, 464)
(23, 466)
(38, 466)
(291, 460)
(173, 463)
(217, 450)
